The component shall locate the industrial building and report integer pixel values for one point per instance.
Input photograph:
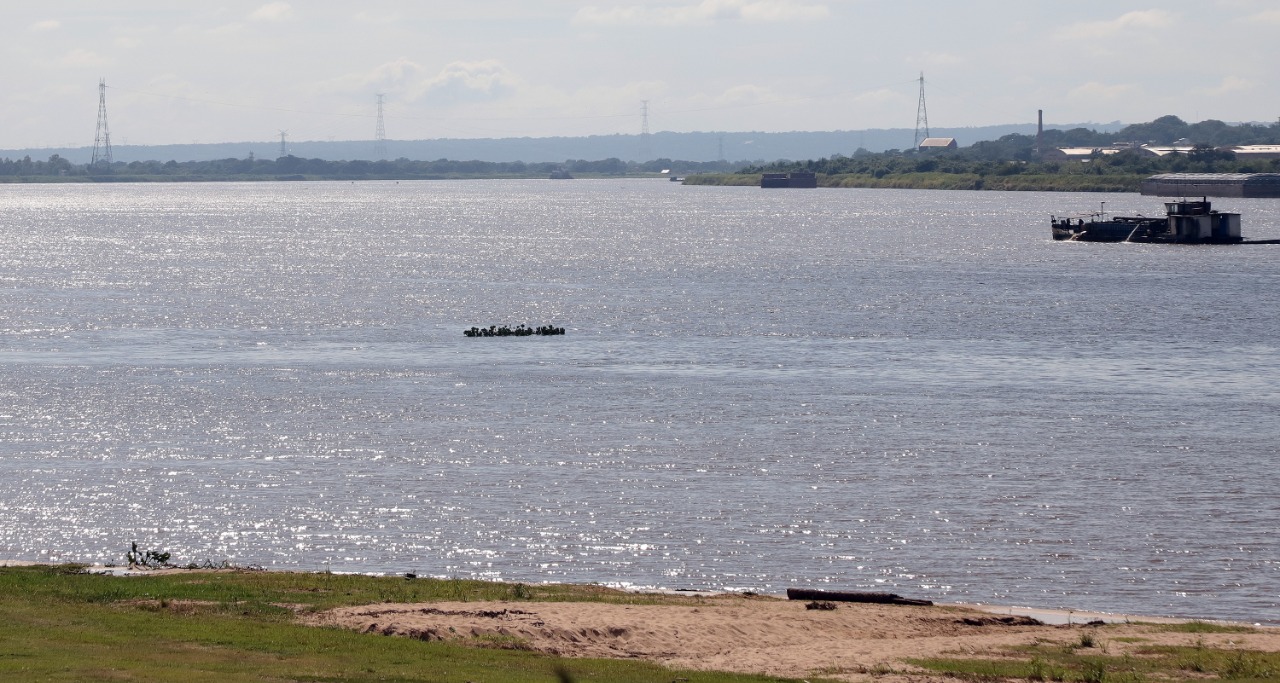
(929, 144)
(1246, 152)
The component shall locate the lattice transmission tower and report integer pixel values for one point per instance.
(102, 139)
(644, 131)
(284, 147)
(922, 117)
(380, 135)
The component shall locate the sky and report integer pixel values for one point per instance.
(182, 72)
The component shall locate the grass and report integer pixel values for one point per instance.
(58, 624)
(1089, 662)
(1204, 627)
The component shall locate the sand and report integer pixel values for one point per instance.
(755, 634)
(763, 634)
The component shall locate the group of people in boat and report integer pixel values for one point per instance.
(519, 331)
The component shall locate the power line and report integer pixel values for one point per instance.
(521, 115)
(518, 115)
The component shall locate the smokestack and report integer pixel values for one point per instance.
(1039, 132)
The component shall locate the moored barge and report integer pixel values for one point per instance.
(1185, 221)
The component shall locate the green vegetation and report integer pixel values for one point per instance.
(59, 624)
(1010, 163)
(58, 169)
(960, 170)
(1088, 660)
(938, 180)
(1204, 627)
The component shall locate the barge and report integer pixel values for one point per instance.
(1213, 185)
(803, 179)
(1185, 222)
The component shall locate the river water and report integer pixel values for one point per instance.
(909, 391)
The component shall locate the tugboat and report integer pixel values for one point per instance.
(1185, 222)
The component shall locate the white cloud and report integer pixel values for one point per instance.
(704, 12)
(772, 11)
(272, 11)
(400, 76)
(745, 94)
(410, 81)
(1132, 23)
(397, 73)
(468, 82)
(46, 25)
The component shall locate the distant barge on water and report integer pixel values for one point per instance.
(1185, 222)
(1262, 185)
(802, 179)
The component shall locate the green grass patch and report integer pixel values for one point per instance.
(724, 179)
(1075, 662)
(58, 624)
(1204, 627)
(1226, 664)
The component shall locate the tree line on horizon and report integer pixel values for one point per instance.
(296, 167)
(1016, 153)
(986, 157)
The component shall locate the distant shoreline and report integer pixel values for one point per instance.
(948, 181)
(904, 181)
(118, 179)
(1048, 615)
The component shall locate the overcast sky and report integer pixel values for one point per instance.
(233, 70)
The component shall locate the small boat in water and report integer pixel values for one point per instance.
(1185, 222)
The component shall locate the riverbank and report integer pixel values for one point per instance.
(63, 623)
(300, 177)
(902, 181)
(1057, 182)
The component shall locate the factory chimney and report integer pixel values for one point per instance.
(1039, 133)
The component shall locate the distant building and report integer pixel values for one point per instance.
(1070, 153)
(1080, 153)
(929, 144)
(1244, 152)
(1163, 150)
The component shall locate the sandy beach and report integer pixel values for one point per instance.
(760, 634)
(755, 634)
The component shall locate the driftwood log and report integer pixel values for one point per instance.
(853, 596)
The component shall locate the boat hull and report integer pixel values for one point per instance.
(1104, 231)
(1185, 222)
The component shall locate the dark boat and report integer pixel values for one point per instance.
(1185, 222)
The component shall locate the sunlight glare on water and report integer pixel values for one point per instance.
(900, 390)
